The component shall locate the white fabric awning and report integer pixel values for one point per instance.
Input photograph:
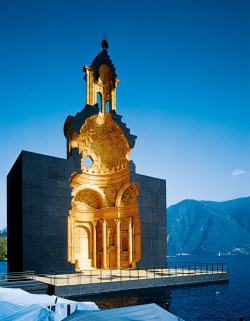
(145, 312)
(12, 311)
(18, 299)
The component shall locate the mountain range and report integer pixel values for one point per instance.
(209, 228)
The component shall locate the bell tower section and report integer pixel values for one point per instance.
(103, 224)
(101, 79)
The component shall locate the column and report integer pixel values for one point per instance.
(87, 86)
(130, 239)
(91, 87)
(94, 244)
(110, 103)
(103, 103)
(118, 243)
(104, 243)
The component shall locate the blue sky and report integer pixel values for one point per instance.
(184, 68)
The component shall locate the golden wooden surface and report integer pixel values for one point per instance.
(103, 224)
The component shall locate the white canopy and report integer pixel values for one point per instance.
(145, 312)
(14, 298)
(8, 308)
(11, 311)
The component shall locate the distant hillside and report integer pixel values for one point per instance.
(206, 227)
(3, 232)
(3, 244)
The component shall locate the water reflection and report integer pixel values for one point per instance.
(160, 296)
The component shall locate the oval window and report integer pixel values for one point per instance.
(88, 161)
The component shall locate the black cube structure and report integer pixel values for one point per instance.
(38, 203)
(39, 195)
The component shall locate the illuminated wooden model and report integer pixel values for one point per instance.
(103, 224)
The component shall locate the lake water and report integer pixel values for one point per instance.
(3, 267)
(217, 301)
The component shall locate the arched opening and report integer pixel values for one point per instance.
(106, 79)
(85, 190)
(108, 106)
(99, 101)
(88, 161)
(82, 247)
(88, 199)
(127, 195)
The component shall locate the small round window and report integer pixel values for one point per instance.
(88, 161)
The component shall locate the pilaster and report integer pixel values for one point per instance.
(104, 243)
(94, 243)
(118, 242)
(130, 221)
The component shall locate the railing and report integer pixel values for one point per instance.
(16, 276)
(198, 268)
(113, 275)
(63, 278)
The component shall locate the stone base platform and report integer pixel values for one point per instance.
(99, 281)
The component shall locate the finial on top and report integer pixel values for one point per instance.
(105, 44)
